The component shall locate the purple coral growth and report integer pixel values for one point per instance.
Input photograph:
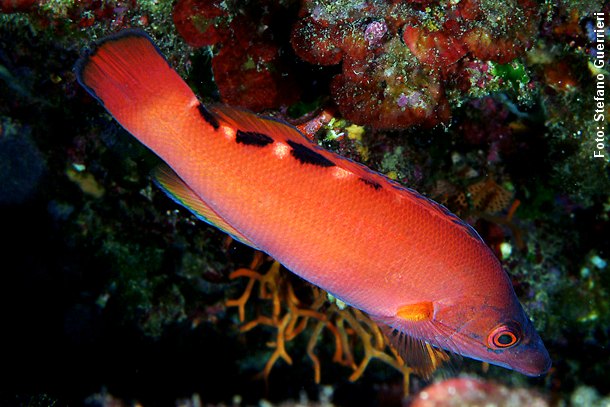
(413, 99)
(375, 31)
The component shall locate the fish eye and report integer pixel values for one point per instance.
(504, 336)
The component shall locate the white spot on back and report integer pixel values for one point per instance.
(228, 132)
(341, 173)
(280, 149)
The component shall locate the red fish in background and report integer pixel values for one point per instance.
(376, 245)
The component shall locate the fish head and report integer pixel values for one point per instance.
(496, 332)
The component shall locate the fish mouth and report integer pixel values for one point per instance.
(532, 361)
(536, 365)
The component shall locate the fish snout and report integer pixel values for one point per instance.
(533, 359)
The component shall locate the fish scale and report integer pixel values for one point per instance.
(381, 247)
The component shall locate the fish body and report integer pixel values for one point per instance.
(376, 245)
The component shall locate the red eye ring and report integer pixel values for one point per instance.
(504, 336)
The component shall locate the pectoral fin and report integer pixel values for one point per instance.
(417, 354)
(181, 193)
(421, 311)
(404, 330)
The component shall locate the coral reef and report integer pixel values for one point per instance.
(401, 64)
(16, 6)
(248, 68)
(249, 72)
(110, 290)
(400, 60)
(201, 22)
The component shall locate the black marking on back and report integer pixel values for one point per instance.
(208, 116)
(252, 138)
(371, 183)
(307, 156)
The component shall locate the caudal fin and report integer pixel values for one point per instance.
(129, 76)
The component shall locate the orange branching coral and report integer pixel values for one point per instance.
(292, 316)
(489, 197)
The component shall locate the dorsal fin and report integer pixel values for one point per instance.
(177, 189)
(246, 121)
(437, 209)
(279, 130)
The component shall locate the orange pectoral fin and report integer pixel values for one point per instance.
(406, 332)
(176, 189)
(421, 311)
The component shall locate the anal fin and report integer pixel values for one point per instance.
(181, 193)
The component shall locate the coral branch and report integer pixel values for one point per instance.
(291, 316)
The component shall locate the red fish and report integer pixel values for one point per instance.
(376, 245)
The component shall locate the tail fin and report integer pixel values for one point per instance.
(131, 78)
